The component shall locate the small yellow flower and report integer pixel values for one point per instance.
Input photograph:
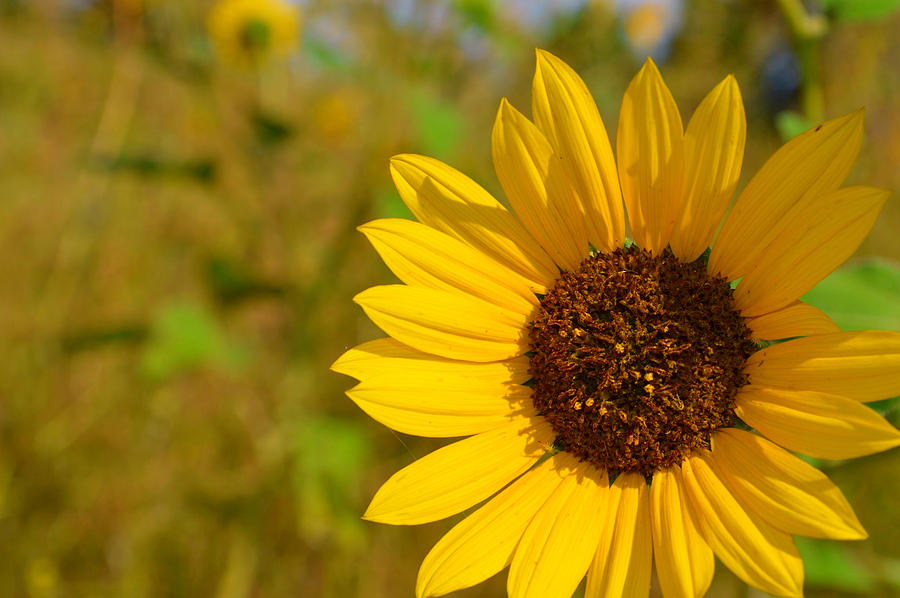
(665, 473)
(250, 33)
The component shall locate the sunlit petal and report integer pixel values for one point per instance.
(453, 326)
(806, 167)
(714, 151)
(564, 110)
(815, 423)
(483, 543)
(860, 365)
(650, 150)
(524, 162)
(422, 256)
(556, 547)
(622, 563)
(784, 490)
(760, 555)
(447, 200)
(684, 561)
(454, 478)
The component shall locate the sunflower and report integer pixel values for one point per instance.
(249, 33)
(625, 402)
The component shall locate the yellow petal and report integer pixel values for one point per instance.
(453, 326)
(759, 554)
(447, 200)
(437, 425)
(483, 543)
(463, 397)
(714, 151)
(565, 112)
(558, 544)
(684, 561)
(797, 319)
(806, 167)
(650, 150)
(783, 489)
(386, 358)
(455, 477)
(622, 563)
(861, 365)
(422, 256)
(523, 160)
(820, 425)
(814, 242)
(427, 403)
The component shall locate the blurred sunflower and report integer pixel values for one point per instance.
(249, 33)
(650, 26)
(609, 387)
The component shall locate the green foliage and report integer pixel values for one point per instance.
(231, 281)
(890, 572)
(790, 124)
(184, 336)
(389, 205)
(862, 296)
(331, 456)
(201, 169)
(269, 129)
(326, 56)
(832, 565)
(439, 125)
(480, 13)
(86, 339)
(860, 10)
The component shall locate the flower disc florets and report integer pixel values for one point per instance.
(636, 359)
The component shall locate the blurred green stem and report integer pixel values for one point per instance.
(807, 31)
(75, 246)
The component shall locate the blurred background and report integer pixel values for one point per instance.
(180, 184)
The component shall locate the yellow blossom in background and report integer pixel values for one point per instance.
(650, 26)
(644, 25)
(250, 33)
(626, 404)
(335, 115)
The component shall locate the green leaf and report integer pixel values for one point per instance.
(887, 408)
(862, 296)
(389, 205)
(790, 124)
(438, 125)
(270, 130)
(183, 336)
(325, 56)
(93, 338)
(331, 456)
(202, 169)
(231, 281)
(890, 572)
(832, 565)
(333, 449)
(860, 10)
(477, 12)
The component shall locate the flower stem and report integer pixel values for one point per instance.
(807, 31)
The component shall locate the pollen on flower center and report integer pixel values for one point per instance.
(636, 359)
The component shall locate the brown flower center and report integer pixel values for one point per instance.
(636, 359)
